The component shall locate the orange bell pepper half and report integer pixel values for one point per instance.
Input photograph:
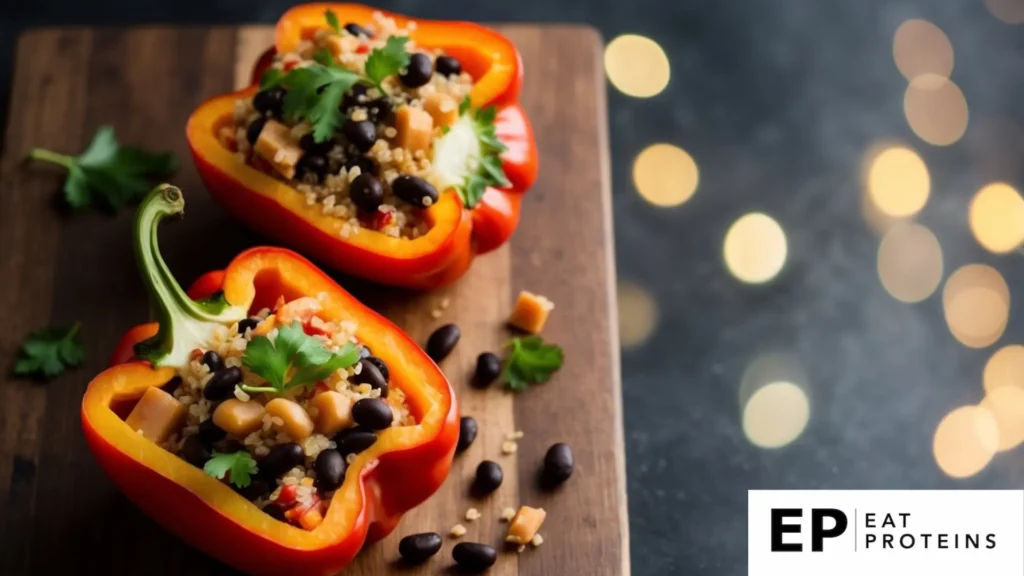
(456, 233)
(400, 470)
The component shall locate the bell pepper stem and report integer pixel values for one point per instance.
(184, 323)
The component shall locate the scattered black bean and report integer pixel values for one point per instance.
(311, 163)
(372, 413)
(382, 367)
(357, 30)
(171, 385)
(414, 190)
(442, 341)
(365, 352)
(558, 464)
(488, 478)
(488, 368)
(247, 324)
(354, 97)
(194, 452)
(360, 133)
(366, 165)
(252, 133)
(370, 374)
(210, 433)
(380, 109)
(467, 433)
(257, 488)
(418, 72)
(281, 459)
(309, 144)
(269, 101)
(213, 361)
(367, 192)
(473, 556)
(354, 440)
(417, 548)
(447, 66)
(330, 469)
(221, 385)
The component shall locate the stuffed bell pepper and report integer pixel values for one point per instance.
(387, 148)
(268, 418)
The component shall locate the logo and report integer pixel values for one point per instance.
(876, 533)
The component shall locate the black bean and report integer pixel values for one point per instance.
(372, 413)
(269, 101)
(367, 192)
(354, 97)
(488, 478)
(366, 165)
(369, 374)
(252, 133)
(360, 133)
(309, 144)
(275, 512)
(447, 66)
(171, 385)
(417, 548)
(418, 72)
(228, 446)
(380, 109)
(467, 433)
(311, 163)
(257, 488)
(194, 452)
(210, 433)
(247, 324)
(442, 341)
(558, 464)
(488, 368)
(213, 361)
(474, 556)
(330, 469)
(221, 385)
(365, 352)
(281, 459)
(414, 190)
(382, 367)
(357, 30)
(354, 440)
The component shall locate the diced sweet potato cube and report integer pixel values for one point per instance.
(343, 44)
(333, 412)
(275, 145)
(442, 108)
(265, 326)
(157, 415)
(525, 524)
(531, 312)
(414, 128)
(295, 421)
(238, 418)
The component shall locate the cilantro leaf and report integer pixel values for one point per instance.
(107, 173)
(387, 61)
(531, 361)
(464, 105)
(315, 93)
(240, 465)
(325, 116)
(332, 20)
(271, 77)
(50, 351)
(293, 351)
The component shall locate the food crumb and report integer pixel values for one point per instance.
(509, 447)
(537, 540)
(507, 514)
(517, 435)
(445, 302)
(472, 514)
(458, 531)
(435, 313)
(521, 548)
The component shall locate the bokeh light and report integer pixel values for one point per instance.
(965, 441)
(996, 217)
(910, 262)
(898, 182)
(920, 47)
(1005, 368)
(755, 248)
(665, 175)
(638, 314)
(976, 303)
(776, 414)
(636, 65)
(936, 109)
(1009, 11)
(1006, 405)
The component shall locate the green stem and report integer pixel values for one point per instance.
(259, 390)
(48, 156)
(74, 330)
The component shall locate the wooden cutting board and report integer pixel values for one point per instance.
(60, 511)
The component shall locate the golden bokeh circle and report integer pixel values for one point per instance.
(976, 303)
(776, 414)
(665, 175)
(1009, 11)
(898, 182)
(920, 47)
(755, 248)
(910, 262)
(636, 65)
(965, 441)
(638, 314)
(1006, 405)
(1005, 368)
(936, 109)
(996, 218)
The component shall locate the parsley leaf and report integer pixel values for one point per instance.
(50, 351)
(531, 361)
(332, 20)
(107, 172)
(240, 465)
(315, 93)
(387, 61)
(293, 351)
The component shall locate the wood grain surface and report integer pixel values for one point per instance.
(60, 511)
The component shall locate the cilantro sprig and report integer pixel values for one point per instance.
(531, 361)
(50, 351)
(108, 173)
(241, 466)
(387, 61)
(332, 20)
(490, 171)
(293, 359)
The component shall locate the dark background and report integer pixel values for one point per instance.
(777, 101)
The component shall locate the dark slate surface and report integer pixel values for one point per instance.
(777, 102)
